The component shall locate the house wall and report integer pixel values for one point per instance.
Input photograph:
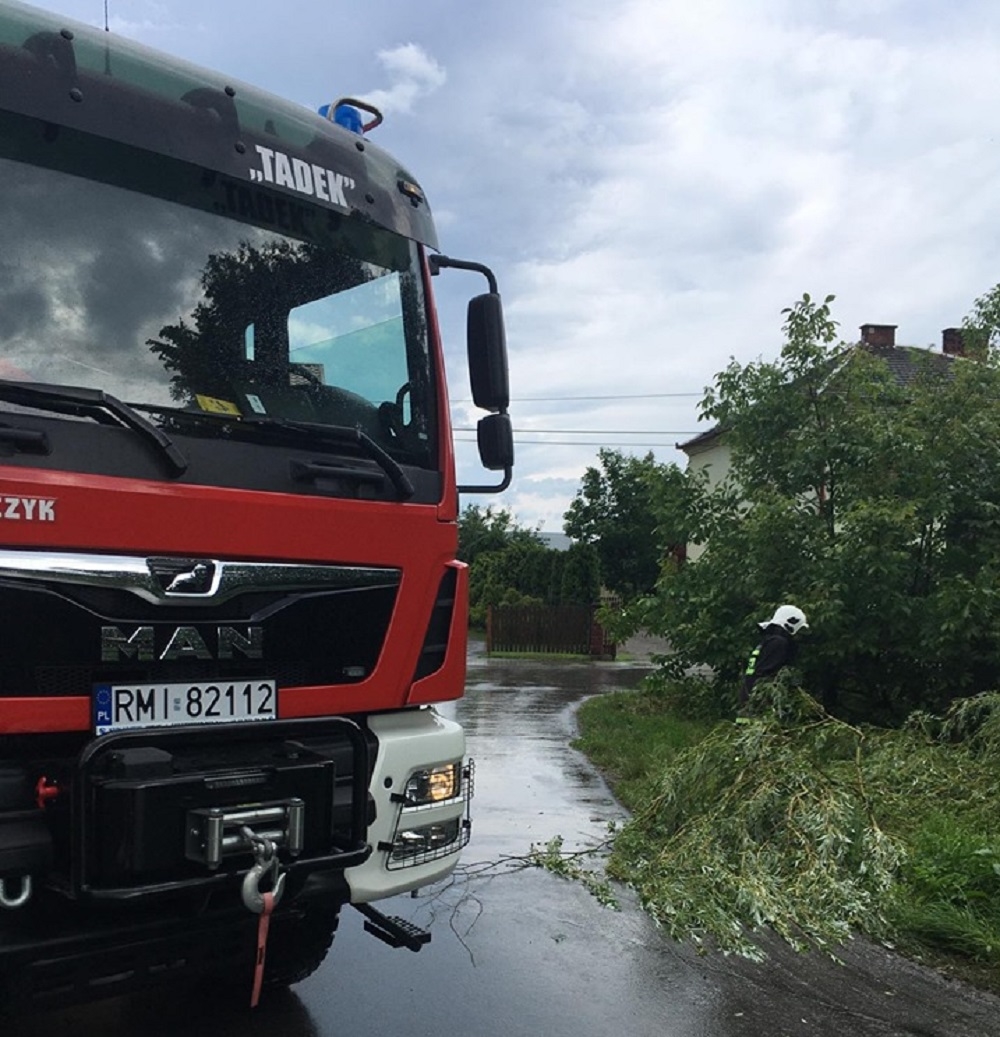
(714, 456)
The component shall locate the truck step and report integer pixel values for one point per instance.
(393, 930)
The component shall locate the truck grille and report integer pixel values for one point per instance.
(314, 625)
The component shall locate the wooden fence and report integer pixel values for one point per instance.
(567, 629)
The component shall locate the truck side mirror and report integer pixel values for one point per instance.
(487, 346)
(486, 342)
(496, 442)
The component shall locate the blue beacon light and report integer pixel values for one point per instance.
(344, 115)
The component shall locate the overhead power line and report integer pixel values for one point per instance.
(583, 442)
(594, 432)
(627, 396)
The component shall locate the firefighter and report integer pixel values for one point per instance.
(777, 648)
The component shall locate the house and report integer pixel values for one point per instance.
(711, 451)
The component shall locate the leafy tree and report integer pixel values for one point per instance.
(554, 590)
(481, 530)
(873, 505)
(581, 576)
(508, 563)
(498, 578)
(614, 511)
(981, 327)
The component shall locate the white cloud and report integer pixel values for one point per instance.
(412, 62)
(414, 74)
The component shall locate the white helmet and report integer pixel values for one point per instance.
(789, 617)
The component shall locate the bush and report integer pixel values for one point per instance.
(691, 697)
(872, 505)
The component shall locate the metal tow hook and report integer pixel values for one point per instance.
(266, 862)
(10, 901)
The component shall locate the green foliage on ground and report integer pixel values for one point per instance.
(801, 823)
(873, 502)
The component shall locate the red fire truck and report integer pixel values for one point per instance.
(228, 524)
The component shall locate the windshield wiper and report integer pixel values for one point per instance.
(93, 403)
(336, 435)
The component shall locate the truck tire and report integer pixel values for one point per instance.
(298, 946)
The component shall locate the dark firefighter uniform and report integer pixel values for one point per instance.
(776, 649)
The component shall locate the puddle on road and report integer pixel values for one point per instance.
(531, 785)
(487, 686)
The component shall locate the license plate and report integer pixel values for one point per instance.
(121, 707)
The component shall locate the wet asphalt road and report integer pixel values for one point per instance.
(521, 952)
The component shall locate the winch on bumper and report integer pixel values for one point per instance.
(164, 811)
(384, 806)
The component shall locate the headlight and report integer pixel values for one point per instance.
(434, 821)
(434, 785)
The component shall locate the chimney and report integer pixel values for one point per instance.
(951, 342)
(878, 336)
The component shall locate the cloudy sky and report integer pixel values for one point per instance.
(651, 180)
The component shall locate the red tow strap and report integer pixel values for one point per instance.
(262, 927)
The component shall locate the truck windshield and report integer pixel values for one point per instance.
(205, 303)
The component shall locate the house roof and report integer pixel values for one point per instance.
(905, 364)
(702, 439)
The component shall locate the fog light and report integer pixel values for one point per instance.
(434, 785)
(413, 842)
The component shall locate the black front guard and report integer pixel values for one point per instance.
(345, 848)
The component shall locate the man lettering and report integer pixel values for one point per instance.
(186, 643)
(115, 645)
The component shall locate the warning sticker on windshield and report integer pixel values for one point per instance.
(215, 406)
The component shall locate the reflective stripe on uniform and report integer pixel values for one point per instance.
(752, 662)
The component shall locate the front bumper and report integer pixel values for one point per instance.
(116, 921)
(410, 741)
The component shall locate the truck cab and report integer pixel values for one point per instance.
(228, 524)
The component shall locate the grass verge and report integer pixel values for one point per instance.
(631, 739)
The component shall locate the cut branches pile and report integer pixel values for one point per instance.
(765, 824)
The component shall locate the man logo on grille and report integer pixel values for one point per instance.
(183, 576)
